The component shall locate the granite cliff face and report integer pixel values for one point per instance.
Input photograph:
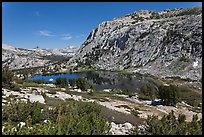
(166, 44)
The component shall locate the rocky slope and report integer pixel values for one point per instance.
(18, 58)
(166, 43)
(44, 94)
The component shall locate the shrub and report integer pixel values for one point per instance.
(135, 112)
(7, 80)
(169, 125)
(168, 95)
(61, 82)
(36, 113)
(147, 91)
(15, 87)
(82, 84)
(18, 111)
(128, 92)
(7, 76)
(68, 118)
(181, 118)
(19, 81)
(15, 111)
(81, 118)
(72, 82)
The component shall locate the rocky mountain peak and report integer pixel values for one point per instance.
(164, 43)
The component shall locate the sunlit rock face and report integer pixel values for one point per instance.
(166, 43)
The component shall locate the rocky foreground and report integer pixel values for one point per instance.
(120, 103)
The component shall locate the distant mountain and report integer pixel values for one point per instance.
(68, 51)
(166, 43)
(18, 58)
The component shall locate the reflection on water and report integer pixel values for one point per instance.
(105, 79)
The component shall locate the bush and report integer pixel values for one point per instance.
(72, 82)
(79, 118)
(169, 125)
(168, 95)
(128, 92)
(19, 81)
(135, 112)
(36, 113)
(68, 118)
(7, 80)
(19, 111)
(61, 82)
(15, 87)
(147, 91)
(16, 111)
(37, 129)
(82, 84)
(7, 76)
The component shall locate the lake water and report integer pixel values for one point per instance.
(104, 79)
(49, 78)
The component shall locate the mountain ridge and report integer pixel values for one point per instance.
(19, 58)
(165, 43)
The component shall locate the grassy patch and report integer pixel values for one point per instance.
(190, 97)
(52, 101)
(52, 91)
(29, 84)
(119, 117)
(101, 96)
(143, 97)
(98, 96)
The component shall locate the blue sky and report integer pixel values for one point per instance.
(59, 24)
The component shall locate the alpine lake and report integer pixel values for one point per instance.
(104, 80)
